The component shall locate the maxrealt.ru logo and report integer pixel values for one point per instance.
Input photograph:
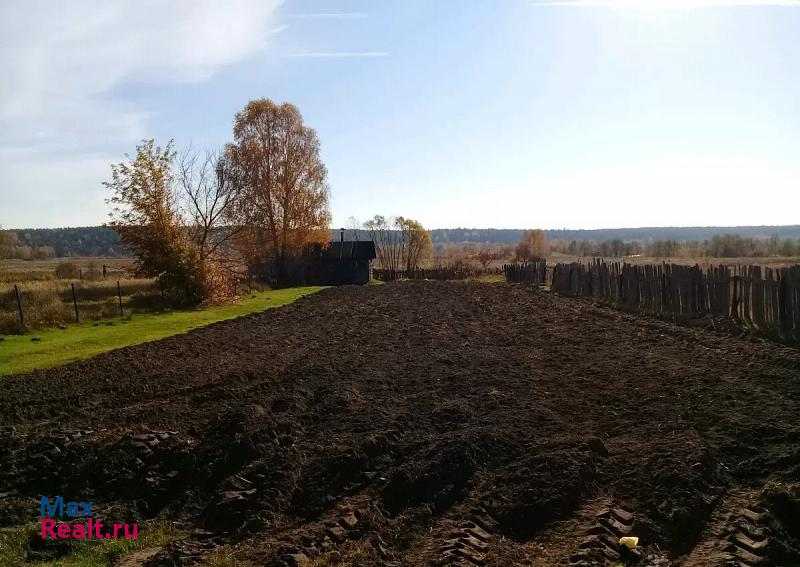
(73, 512)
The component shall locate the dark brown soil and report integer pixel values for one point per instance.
(426, 423)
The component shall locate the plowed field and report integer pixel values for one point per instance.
(426, 423)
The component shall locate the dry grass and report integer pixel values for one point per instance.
(47, 298)
(48, 303)
(224, 557)
(20, 271)
(350, 555)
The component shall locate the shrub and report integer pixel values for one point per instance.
(67, 271)
(93, 272)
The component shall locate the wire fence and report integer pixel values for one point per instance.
(41, 304)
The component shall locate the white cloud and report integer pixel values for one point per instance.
(668, 4)
(61, 61)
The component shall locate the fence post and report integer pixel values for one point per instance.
(119, 295)
(75, 303)
(784, 321)
(19, 306)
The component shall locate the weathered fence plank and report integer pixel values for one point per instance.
(526, 272)
(766, 300)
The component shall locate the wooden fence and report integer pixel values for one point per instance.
(763, 299)
(526, 272)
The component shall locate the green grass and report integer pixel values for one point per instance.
(84, 553)
(19, 353)
(490, 278)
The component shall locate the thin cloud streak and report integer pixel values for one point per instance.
(330, 16)
(340, 54)
(667, 4)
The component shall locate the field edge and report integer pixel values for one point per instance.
(55, 347)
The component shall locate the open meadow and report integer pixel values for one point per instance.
(80, 268)
(422, 423)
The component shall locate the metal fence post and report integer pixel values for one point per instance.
(75, 303)
(119, 295)
(19, 306)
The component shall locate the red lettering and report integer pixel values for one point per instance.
(64, 530)
(47, 528)
(134, 533)
(79, 531)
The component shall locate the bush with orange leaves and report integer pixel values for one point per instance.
(166, 239)
(532, 246)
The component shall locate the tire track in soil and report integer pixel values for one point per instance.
(604, 523)
(351, 521)
(737, 534)
(591, 538)
(327, 535)
(469, 543)
(462, 537)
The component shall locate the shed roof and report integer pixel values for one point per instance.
(349, 250)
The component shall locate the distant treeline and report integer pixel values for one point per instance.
(742, 241)
(642, 235)
(42, 243)
(718, 246)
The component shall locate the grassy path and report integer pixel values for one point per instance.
(22, 353)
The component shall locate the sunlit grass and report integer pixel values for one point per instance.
(490, 278)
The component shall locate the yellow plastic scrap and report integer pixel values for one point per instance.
(629, 542)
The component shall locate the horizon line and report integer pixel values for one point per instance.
(334, 228)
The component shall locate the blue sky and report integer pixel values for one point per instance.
(484, 113)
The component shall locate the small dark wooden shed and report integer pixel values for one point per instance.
(342, 263)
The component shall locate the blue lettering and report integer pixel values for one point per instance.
(54, 509)
(57, 506)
